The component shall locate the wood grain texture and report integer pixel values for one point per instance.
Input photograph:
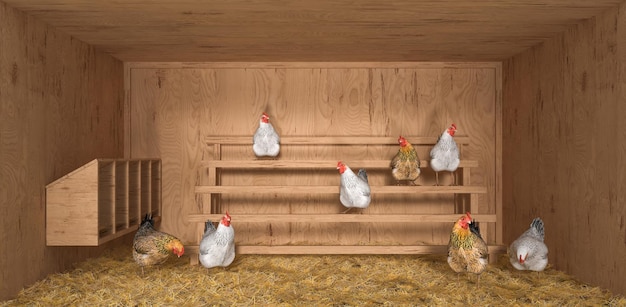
(563, 148)
(61, 106)
(176, 108)
(342, 31)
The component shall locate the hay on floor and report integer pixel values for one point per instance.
(329, 280)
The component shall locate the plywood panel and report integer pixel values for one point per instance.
(339, 30)
(564, 147)
(61, 106)
(174, 107)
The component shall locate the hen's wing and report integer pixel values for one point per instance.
(147, 249)
(354, 191)
(479, 255)
(479, 250)
(145, 243)
(205, 243)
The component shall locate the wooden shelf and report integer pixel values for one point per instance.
(345, 249)
(334, 189)
(218, 165)
(102, 200)
(334, 140)
(311, 164)
(340, 218)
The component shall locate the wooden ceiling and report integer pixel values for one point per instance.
(315, 30)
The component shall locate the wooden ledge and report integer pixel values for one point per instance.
(334, 189)
(335, 140)
(344, 249)
(341, 218)
(311, 164)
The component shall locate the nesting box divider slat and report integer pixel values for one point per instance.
(465, 191)
(102, 200)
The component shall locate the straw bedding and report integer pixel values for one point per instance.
(330, 280)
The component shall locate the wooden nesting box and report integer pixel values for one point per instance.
(102, 200)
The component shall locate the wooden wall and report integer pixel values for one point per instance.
(61, 105)
(173, 106)
(564, 144)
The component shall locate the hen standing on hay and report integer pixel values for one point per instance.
(405, 165)
(467, 252)
(217, 247)
(152, 247)
(529, 252)
(265, 141)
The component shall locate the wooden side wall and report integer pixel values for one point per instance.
(61, 105)
(173, 106)
(564, 144)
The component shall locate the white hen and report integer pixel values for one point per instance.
(217, 247)
(445, 154)
(529, 252)
(265, 141)
(354, 189)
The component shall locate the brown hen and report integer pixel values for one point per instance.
(467, 252)
(405, 165)
(152, 247)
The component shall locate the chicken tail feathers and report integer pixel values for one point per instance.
(473, 226)
(363, 174)
(208, 226)
(147, 220)
(537, 224)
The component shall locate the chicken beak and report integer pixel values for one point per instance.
(521, 260)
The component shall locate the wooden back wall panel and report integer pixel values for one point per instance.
(174, 106)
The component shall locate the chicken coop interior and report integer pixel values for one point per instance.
(110, 110)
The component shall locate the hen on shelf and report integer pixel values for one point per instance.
(405, 165)
(265, 141)
(444, 156)
(354, 191)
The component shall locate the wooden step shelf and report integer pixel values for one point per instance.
(334, 140)
(334, 189)
(310, 164)
(341, 218)
(102, 200)
(215, 167)
(345, 249)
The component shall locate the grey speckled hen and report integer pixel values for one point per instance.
(529, 252)
(445, 154)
